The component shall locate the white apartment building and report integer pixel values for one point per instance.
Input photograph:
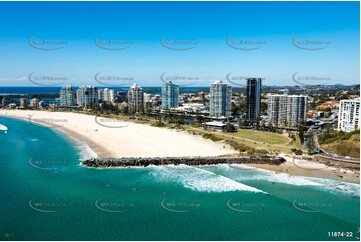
(147, 97)
(67, 96)
(135, 99)
(286, 110)
(34, 103)
(349, 115)
(220, 100)
(107, 95)
(87, 96)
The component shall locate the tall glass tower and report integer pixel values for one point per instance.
(87, 96)
(136, 99)
(221, 100)
(254, 87)
(170, 93)
(67, 96)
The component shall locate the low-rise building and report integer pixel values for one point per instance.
(12, 105)
(215, 126)
(192, 107)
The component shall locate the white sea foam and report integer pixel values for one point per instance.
(245, 173)
(338, 186)
(260, 174)
(85, 151)
(198, 179)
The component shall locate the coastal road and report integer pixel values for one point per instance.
(321, 152)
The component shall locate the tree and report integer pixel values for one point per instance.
(229, 128)
(263, 108)
(235, 108)
(199, 118)
(270, 127)
(296, 151)
(263, 124)
(169, 116)
(285, 123)
(243, 123)
(180, 119)
(301, 130)
(257, 124)
(310, 144)
(159, 123)
(126, 110)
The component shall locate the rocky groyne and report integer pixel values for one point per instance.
(191, 161)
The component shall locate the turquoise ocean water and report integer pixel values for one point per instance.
(46, 195)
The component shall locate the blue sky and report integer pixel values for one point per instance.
(273, 25)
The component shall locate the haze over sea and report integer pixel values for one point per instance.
(47, 195)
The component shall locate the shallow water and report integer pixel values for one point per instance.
(47, 195)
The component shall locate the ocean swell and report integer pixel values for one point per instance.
(198, 179)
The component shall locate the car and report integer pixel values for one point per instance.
(347, 157)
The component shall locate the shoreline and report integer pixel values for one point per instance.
(102, 151)
(325, 173)
(313, 169)
(96, 149)
(132, 140)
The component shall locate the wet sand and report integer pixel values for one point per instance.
(325, 172)
(113, 138)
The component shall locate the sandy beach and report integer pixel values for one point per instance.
(312, 169)
(112, 138)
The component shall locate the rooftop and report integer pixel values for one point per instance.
(216, 123)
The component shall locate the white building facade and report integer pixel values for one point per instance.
(170, 95)
(87, 96)
(67, 96)
(349, 115)
(136, 99)
(107, 95)
(34, 103)
(220, 100)
(286, 110)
